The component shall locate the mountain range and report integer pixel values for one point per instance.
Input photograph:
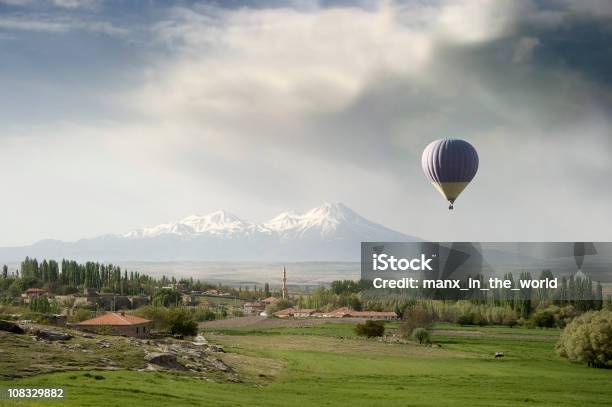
(330, 232)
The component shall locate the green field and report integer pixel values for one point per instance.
(328, 365)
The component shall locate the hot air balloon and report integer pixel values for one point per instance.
(450, 165)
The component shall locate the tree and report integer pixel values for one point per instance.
(167, 298)
(598, 296)
(277, 306)
(544, 319)
(417, 317)
(370, 329)
(354, 303)
(40, 304)
(180, 322)
(4, 271)
(588, 339)
(421, 335)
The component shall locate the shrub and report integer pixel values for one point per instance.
(281, 304)
(104, 330)
(544, 319)
(167, 298)
(588, 339)
(204, 314)
(510, 320)
(370, 329)
(415, 318)
(81, 314)
(421, 335)
(180, 322)
(40, 304)
(466, 319)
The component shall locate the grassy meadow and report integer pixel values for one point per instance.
(328, 365)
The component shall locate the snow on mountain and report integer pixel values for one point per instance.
(219, 223)
(330, 232)
(325, 221)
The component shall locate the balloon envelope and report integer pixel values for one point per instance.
(450, 165)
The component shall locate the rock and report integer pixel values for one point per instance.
(199, 340)
(216, 348)
(11, 327)
(167, 360)
(218, 364)
(52, 335)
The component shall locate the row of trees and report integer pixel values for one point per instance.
(69, 276)
(91, 275)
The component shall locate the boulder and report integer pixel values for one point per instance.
(11, 327)
(218, 364)
(52, 335)
(167, 360)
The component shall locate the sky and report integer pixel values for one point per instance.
(116, 115)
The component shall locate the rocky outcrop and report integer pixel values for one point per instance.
(165, 360)
(11, 327)
(50, 335)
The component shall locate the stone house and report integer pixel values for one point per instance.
(117, 323)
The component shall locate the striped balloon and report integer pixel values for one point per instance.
(450, 165)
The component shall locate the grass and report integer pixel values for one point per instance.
(326, 365)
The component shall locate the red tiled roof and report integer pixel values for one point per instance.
(286, 311)
(366, 314)
(373, 314)
(305, 311)
(270, 299)
(35, 290)
(255, 304)
(113, 318)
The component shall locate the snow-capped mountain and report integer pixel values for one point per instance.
(219, 223)
(328, 221)
(330, 232)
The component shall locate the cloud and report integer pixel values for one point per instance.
(52, 24)
(275, 107)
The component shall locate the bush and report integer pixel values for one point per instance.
(544, 319)
(279, 305)
(415, 318)
(180, 322)
(370, 329)
(421, 335)
(588, 339)
(159, 315)
(81, 314)
(204, 314)
(510, 320)
(466, 319)
(167, 298)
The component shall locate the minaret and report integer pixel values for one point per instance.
(284, 293)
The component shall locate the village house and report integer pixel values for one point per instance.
(216, 293)
(304, 313)
(180, 287)
(115, 323)
(35, 292)
(343, 312)
(254, 307)
(189, 300)
(346, 312)
(285, 313)
(270, 300)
